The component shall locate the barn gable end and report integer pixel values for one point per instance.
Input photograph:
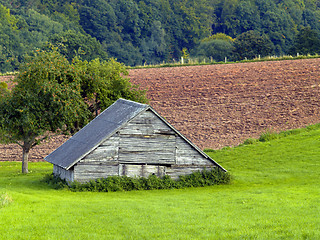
(143, 144)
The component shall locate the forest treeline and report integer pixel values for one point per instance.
(152, 31)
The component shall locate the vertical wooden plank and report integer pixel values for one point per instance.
(63, 174)
(106, 151)
(187, 155)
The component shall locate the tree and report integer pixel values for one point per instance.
(154, 48)
(103, 82)
(226, 15)
(46, 99)
(250, 44)
(3, 89)
(307, 41)
(218, 49)
(53, 96)
(72, 43)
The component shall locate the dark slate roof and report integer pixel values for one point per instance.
(94, 133)
(100, 129)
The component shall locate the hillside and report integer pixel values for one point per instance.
(222, 105)
(274, 194)
(140, 31)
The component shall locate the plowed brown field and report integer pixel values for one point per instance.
(222, 105)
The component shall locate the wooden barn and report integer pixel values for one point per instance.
(131, 139)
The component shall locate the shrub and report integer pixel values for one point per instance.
(209, 150)
(55, 181)
(202, 178)
(250, 141)
(268, 136)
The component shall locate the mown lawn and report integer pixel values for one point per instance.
(275, 194)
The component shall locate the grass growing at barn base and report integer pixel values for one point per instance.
(274, 195)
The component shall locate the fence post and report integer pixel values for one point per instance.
(182, 60)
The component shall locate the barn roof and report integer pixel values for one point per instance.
(100, 129)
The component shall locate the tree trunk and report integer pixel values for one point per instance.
(25, 156)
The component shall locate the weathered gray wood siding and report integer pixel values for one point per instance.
(187, 155)
(132, 170)
(63, 174)
(144, 146)
(105, 152)
(188, 160)
(147, 140)
(87, 171)
(100, 163)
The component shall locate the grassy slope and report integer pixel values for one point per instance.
(274, 195)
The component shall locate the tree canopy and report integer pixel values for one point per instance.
(142, 31)
(307, 41)
(251, 45)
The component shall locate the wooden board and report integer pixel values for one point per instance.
(147, 123)
(86, 172)
(107, 151)
(62, 173)
(146, 139)
(132, 170)
(187, 155)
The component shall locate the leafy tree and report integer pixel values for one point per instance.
(227, 20)
(72, 43)
(53, 96)
(124, 52)
(42, 24)
(6, 18)
(311, 19)
(250, 44)
(138, 31)
(307, 41)
(154, 48)
(127, 13)
(9, 42)
(103, 82)
(217, 49)
(99, 19)
(3, 89)
(46, 99)
(248, 16)
(218, 36)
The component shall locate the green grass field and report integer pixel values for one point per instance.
(275, 194)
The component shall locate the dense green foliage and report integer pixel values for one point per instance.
(206, 177)
(104, 82)
(52, 95)
(3, 89)
(306, 42)
(46, 99)
(274, 195)
(144, 31)
(250, 45)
